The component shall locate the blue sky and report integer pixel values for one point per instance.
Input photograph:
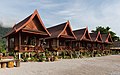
(81, 13)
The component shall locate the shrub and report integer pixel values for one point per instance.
(25, 59)
(63, 54)
(11, 53)
(67, 57)
(33, 59)
(56, 58)
(42, 57)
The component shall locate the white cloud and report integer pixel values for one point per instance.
(81, 13)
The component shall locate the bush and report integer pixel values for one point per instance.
(63, 54)
(67, 57)
(33, 59)
(74, 55)
(42, 57)
(11, 53)
(59, 57)
(25, 59)
(55, 58)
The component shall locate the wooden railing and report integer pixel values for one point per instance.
(107, 48)
(115, 48)
(81, 48)
(63, 48)
(31, 48)
(88, 48)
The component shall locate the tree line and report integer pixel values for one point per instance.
(105, 30)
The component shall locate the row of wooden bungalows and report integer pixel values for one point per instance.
(31, 35)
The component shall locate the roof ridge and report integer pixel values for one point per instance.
(57, 25)
(79, 29)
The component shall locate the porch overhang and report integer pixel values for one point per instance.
(86, 40)
(35, 32)
(67, 37)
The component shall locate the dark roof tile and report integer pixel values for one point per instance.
(79, 33)
(56, 30)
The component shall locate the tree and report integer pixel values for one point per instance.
(105, 30)
(3, 31)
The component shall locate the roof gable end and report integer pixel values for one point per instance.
(21, 25)
(99, 37)
(86, 35)
(109, 39)
(67, 30)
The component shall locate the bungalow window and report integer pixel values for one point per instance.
(89, 45)
(25, 39)
(61, 43)
(54, 42)
(67, 43)
(95, 45)
(47, 42)
(98, 46)
(12, 42)
(43, 42)
(31, 41)
(77, 44)
(73, 44)
(84, 44)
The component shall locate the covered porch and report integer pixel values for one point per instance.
(25, 41)
(58, 44)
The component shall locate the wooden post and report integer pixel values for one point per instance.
(0, 65)
(57, 43)
(93, 53)
(70, 43)
(19, 41)
(64, 44)
(103, 46)
(79, 44)
(57, 53)
(19, 56)
(29, 55)
(7, 44)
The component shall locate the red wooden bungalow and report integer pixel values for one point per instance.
(83, 41)
(61, 36)
(107, 41)
(116, 47)
(97, 41)
(27, 35)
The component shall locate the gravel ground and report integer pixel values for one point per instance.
(106, 65)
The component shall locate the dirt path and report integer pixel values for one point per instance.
(106, 65)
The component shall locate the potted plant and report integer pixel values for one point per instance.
(56, 58)
(48, 56)
(42, 57)
(1, 54)
(25, 59)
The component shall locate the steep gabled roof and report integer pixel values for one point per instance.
(107, 38)
(59, 30)
(17, 27)
(96, 37)
(82, 34)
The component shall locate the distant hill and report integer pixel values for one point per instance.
(4, 30)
